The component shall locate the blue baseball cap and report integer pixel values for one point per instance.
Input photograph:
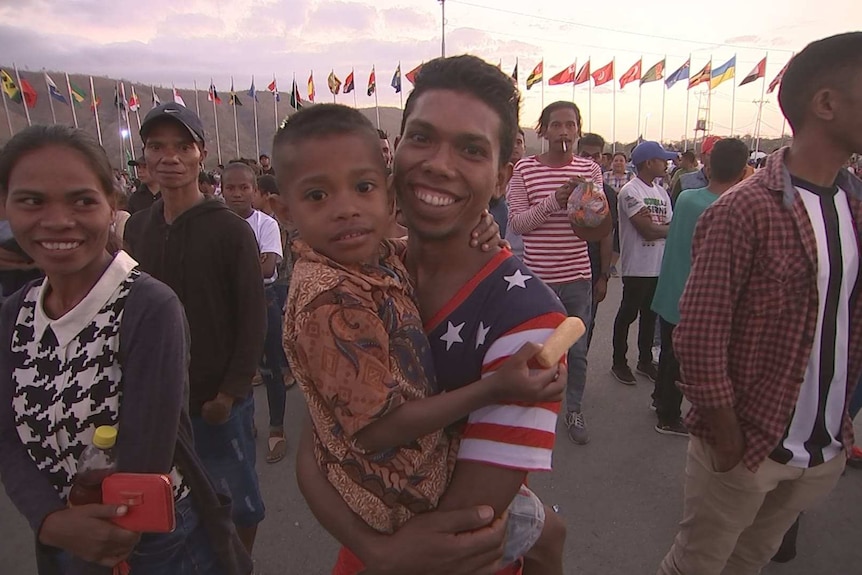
(646, 151)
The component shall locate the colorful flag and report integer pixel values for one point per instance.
(177, 98)
(515, 73)
(273, 88)
(97, 101)
(654, 74)
(311, 92)
(78, 94)
(701, 77)
(758, 72)
(372, 82)
(156, 100)
(396, 79)
(681, 74)
(777, 80)
(252, 92)
(10, 87)
(411, 75)
(567, 76)
(119, 99)
(134, 102)
(583, 74)
(295, 100)
(233, 99)
(333, 82)
(604, 74)
(535, 76)
(632, 74)
(29, 93)
(726, 71)
(212, 94)
(53, 91)
(349, 84)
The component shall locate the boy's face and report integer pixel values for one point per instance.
(447, 164)
(334, 190)
(239, 190)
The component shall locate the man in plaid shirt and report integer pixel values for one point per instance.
(770, 336)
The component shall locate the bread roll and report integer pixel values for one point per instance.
(559, 342)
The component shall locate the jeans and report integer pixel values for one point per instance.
(667, 396)
(273, 365)
(577, 298)
(228, 453)
(637, 299)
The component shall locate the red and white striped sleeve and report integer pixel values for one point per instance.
(513, 435)
(523, 217)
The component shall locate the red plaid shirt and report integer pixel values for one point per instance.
(750, 307)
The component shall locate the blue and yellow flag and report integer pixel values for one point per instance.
(726, 71)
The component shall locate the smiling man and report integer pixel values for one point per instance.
(209, 257)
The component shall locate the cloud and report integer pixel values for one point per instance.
(332, 16)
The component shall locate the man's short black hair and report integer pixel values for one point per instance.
(206, 178)
(473, 76)
(521, 131)
(828, 63)
(545, 116)
(728, 160)
(267, 185)
(262, 156)
(382, 134)
(591, 140)
(689, 155)
(240, 165)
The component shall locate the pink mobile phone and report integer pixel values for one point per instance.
(149, 497)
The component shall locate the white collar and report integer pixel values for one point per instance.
(67, 327)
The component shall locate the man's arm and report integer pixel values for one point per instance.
(648, 229)
(600, 289)
(522, 217)
(268, 262)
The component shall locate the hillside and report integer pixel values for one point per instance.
(111, 124)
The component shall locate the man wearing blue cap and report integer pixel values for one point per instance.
(645, 213)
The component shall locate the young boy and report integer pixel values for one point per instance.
(355, 339)
(239, 184)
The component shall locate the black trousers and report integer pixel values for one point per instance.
(667, 396)
(637, 300)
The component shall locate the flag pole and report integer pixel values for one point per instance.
(687, 103)
(275, 101)
(759, 111)
(235, 125)
(376, 104)
(353, 74)
(400, 87)
(614, 115)
(663, 94)
(23, 95)
(590, 95)
(709, 101)
(543, 95)
(129, 125)
(8, 117)
(119, 104)
(733, 98)
(71, 100)
(50, 98)
(197, 101)
(254, 109)
(640, 98)
(215, 118)
(95, 109)
(574, 82)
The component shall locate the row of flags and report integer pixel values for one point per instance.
(708, 75)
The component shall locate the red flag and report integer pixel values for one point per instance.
(758, 72)
(411, 75)
(604, 74)
(567, 76)
(583, 74)
(29, 93)
(702, 77)
(272, 86)
(777, 80)
(632, 74)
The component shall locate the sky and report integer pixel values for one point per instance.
(166, 42)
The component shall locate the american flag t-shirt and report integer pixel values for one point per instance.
(499, 310)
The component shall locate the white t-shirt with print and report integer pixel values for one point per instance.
(268, 238)
(639, 257)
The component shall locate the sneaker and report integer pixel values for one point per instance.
(577, 428)
(677, 428)
(649, 370)
(855, 459)
(623, 374)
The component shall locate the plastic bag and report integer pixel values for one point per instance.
(587, 206)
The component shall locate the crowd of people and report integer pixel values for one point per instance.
(407, 288)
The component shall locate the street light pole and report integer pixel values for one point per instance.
(443, 27)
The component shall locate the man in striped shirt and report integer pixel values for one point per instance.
(538, 194)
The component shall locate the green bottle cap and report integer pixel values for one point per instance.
(105, 437)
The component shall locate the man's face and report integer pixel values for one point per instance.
(173, 158)
(144, 174)
(593, 153)
(846, 126)
(447, 166)
(386, 150)
(520, 149)
(562, 127)
(239, 190)
(264, 162)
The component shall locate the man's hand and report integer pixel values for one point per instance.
(217, 410)
(729, 452)
(487, 233)
(87, 532)
(461, 542)
(563, 192)
(10, 260)
(515, 381)
(600, 289)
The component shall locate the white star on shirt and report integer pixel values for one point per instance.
(452, 335)
(482, 334)
(517, 279)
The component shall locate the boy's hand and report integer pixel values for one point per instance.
(486, 234)
(516, 381)
(87, 532)
(217, 410)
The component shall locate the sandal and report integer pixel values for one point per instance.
(277, 448)
(289, 380)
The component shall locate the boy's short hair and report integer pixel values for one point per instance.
(829, 62)
(591, 140)
(473, 76)
(729, 157)
(267, 185)
(325, 120)
(688, 155)
(206, 178)
(240, 165)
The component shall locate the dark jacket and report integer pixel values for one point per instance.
(210, 258)
(153, 329)
(142, 198)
